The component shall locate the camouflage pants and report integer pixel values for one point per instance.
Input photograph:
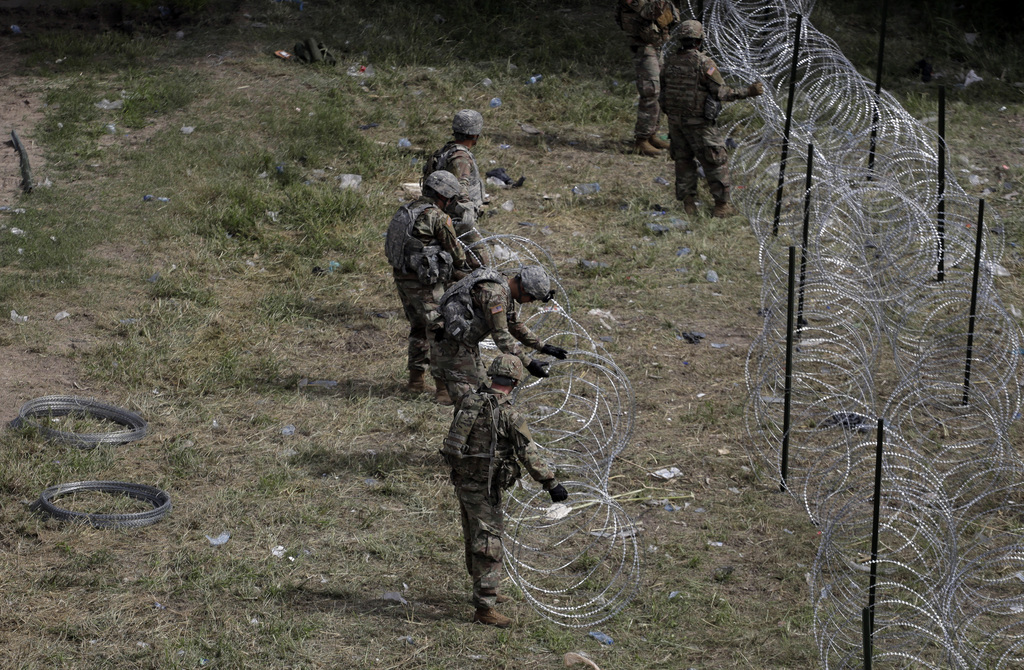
(417, 300)
(703, 143)
(647, 61)
(482, 526)
(459, 366)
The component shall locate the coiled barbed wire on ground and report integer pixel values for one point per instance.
(579, 563)
(160, 501)
(41, 412)
(881, 336)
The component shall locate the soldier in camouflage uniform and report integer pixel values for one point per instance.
(649, 24)
(419, 231)
(487, 442)
(486, 300)
(692, 90)
(456, 157)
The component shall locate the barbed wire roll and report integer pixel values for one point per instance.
(37, 413)
(160, 501)
(578, 564)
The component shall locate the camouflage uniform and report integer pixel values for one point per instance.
(432, 225)
(638, 18)
(458, 159)
(688, 78)
(479, 479)
(494, 314)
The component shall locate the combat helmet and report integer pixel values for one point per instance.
(690, 30)
(443, 183)
(508, 366)
(535, 282)
(468, 122)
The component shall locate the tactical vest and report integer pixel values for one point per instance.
(409, 255)
(442, 158)
(683, 94)
(644, 30)
(471, 447)
(461, 322)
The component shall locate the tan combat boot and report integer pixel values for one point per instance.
(658, 143)
(441, 393)
(491, 617)
(416, 381)
(723, 210)
(644, 147)
(690, 206)
(501, 598)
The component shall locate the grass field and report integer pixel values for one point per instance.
(199, 309)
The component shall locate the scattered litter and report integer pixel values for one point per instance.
(674, 594)
(1014, 312)
(787, 531)
(712, 276)
(600, 637)
(606, 338)
(586, 189)
(106, 104)
(715, 544)
(717, 345)
(498, 177)
(557, 511)
(996, 269)
(666, 474)
(404, 142)
(530, 129)
(722, 573)
(486, 81)
(592, 265)
(534, 79)
(701, 395)
(17, 231)
(324, 383)
(367, 126)
(158, 606)
(370, 481)
(142, 645)
(496, 102)
(288, 430)
(187, 130)
(971, 38)
(16, 30)
(684, 251)
(572, 658)
(723, 452)
(361, 71)
(278, 551)
(110, 128)
(692, 337)
(395, 596)
(16, 318)
(349, 180)
(494, 181)
(60, 316)
(661, 180)
(669, 507)
(222, 538)
(504, 146)
(848, 420)
(508, 205)
(971, 78)
(407, 639)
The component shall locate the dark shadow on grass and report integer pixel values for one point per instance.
(346, 602)
(574, 141)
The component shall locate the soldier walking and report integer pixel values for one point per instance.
(455, 157)
(424, 253)
(487, 442)
(649, 24)
(692, 93)
(484, 303)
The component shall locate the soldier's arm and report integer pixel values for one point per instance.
(522, 332)
(444, 231)
(526, 450)
(716, 84)
(460, 166)
(494, 303)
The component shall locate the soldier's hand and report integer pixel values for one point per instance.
(558, 494)
(538, 368)
(755, 89)
(552, 350)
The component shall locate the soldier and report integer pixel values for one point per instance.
(424, 253)
(456, 157)
(482, 304)
(649, 24)
(692, 93)
(487, 442)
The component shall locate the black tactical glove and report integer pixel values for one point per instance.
(558, 494)
(755, 89)
(538, 368)
(552, 350)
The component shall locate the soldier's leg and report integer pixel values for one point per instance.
(714, 158)
(647, 61)
(486, 523)
(685, 166)
(419, 347)
(460, 368)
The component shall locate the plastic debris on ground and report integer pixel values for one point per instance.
(573, 658)
(666, 474)
(486, 81)
(324, 383)
(592, 265)
(404, 142)
(407, 639)
(586, 189)
(692, 337)
(712, 276)
(534, 79)
(288, 430)
(187, 130)
(394, 596)
(508, 205)
(220, 539)
(971, 78)
(718, 345)
(849, 421)
(349, 180)
(17, 318)
(59, 316)
(361, 71)
(996, 269)
(370, 481)
(661, 180)
(106, 104)
(17, 231)
(557, 511)
(600, 637)
(715, 544)
(684, 251)
(604, 317)
(495, 102)
(278, 551)
(530, 129)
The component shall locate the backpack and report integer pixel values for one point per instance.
(456, 305)
(439, 160)
(408, 255)
(311, 51)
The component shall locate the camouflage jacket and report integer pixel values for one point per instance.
(458, 159)
(687, 79)
(499, 440)
(647, 22)
(495, 314)
(433, 226)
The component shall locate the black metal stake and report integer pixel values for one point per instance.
(875, 522)
(878, 88)
(941, 223)
(865, 623)
(789, 121)
(974, 299)
(788, 398)
(800, 323)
